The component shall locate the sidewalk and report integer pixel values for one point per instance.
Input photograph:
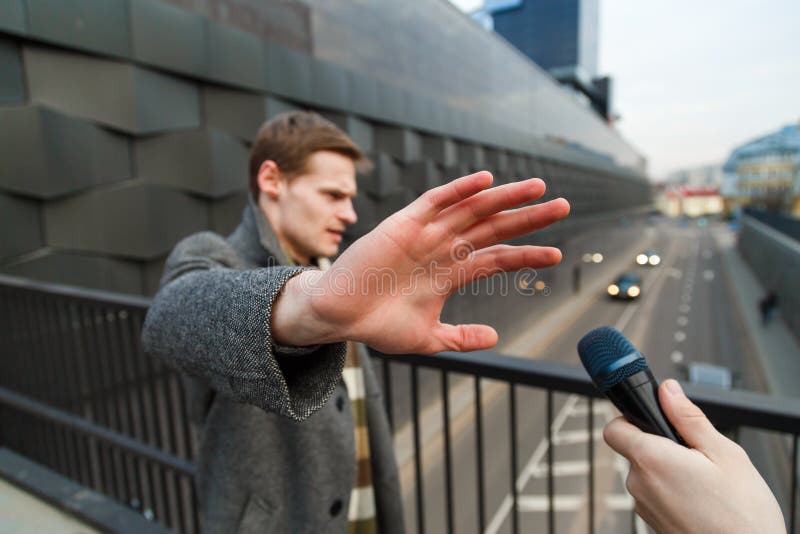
(774, 345)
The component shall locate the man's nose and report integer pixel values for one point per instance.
(348, 214)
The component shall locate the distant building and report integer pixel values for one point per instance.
(560, 36)
(694, 192)
(699, 176)
(765, 172)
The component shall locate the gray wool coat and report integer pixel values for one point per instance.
(277, 451)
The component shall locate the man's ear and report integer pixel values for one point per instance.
(269, 179)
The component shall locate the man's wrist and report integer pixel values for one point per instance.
(295, 321)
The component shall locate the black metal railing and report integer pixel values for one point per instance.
(78, 395)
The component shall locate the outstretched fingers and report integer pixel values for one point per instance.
(504, 258)
(434, 201)
(514, 223)
(461, 216)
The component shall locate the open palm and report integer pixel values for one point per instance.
(388, 289)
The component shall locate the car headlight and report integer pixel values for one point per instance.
(613, 290)
(633, 291)
(641, 259)
(655, 259)
(597, 257)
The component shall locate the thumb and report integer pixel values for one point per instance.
(464, 337)
(689, 420)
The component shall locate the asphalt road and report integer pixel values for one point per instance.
(683, 315)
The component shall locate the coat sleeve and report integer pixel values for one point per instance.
(212, 321)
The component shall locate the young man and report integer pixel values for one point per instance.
(292, 429)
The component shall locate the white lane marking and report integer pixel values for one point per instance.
(680, 336)
(684, 308)
(627, 315)
(505, 507)
(708, 274)
(570, 503)
(676, 356)
(686, 297)
(682, 320)
(571, 437)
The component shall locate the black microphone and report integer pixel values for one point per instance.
(621, 373)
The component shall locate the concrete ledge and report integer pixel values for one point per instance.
(85, 505)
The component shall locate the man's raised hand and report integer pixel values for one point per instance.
(388, 289)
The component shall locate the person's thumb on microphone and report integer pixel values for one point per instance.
(710, 486)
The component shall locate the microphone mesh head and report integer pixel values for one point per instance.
(601, 351)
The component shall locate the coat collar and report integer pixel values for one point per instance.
(256, 240)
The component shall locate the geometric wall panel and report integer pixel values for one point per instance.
(236, 57)
(471, 155)
(384, 180)
(12, 16)
(152, 272)
(288, 72)
(329, 84)
(63, 267)
(133, 220)
(208, 162)
(496, 160)
(440, 149)
(20, 226)
(238, 112)
(421, 176)
(89, 24)
(12, 86)
(127, 97)
(225, 214)
(360, 131)
(169, 37)
(45, 154)
(398, 142)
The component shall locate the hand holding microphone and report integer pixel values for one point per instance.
(621, 373)
(697, 480)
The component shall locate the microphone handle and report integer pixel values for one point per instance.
(637, 398)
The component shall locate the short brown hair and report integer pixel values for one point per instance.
(290, 138)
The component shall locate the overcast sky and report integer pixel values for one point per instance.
(694, 79)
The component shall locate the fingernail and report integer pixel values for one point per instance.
(673, 387)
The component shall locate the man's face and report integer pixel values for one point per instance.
(315, 207)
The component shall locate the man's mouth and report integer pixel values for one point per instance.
(337, 235)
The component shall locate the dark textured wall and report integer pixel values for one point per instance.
(124, 126)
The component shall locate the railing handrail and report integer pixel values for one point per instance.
(739, 407)
(82, 293)
(42, 410)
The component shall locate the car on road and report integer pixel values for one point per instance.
(627, 286)
(649, 257)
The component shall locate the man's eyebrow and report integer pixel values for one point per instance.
(339, 190)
